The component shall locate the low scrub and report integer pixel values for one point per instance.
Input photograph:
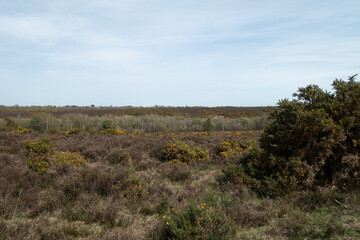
(232, 148)
(118, 156)
(199, 220)
(38, 154)
(178, 151)
(72, 159)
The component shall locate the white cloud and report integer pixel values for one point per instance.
(180, 46)
(40, 29)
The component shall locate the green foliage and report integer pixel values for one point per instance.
(164, 205)
(179, 151)
(199, 220)
(38, 153)
(233, 174)
(314, 132)
(106, 124)
(208, 125)
(37, 124)
(131, 186)
(273, 175)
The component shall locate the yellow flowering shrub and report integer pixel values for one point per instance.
(199, 134)
(22, 130)
(74, 131)
(232, 148)
(178, 151)
(112, 131)
(72, 159)
(38, 154)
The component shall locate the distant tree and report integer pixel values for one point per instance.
(37, 124)
(208, 125)
(106, 124)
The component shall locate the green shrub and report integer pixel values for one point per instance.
(208, 125)
(38, 154)
(37, 124)
(309, 139)
(131, 185)
(178, 151)
(199, 220)
(233, 174)
(273, 175)
(106, 124)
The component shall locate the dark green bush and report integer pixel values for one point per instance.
(208, 125)
(106, 124)
(314, 132)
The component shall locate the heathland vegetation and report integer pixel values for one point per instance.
(289, 173)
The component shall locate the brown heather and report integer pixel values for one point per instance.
(125, 190)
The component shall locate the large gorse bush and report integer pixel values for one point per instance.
(315, 136)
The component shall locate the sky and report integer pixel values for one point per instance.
(173, 53)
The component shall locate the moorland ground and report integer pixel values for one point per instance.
(124, 188)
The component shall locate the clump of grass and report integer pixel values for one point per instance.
(300, 225)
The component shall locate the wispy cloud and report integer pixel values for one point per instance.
(157, 52)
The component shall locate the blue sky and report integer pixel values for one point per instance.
(173, 53)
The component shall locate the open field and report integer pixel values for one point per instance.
(123, 187)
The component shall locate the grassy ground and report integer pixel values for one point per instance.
(125, 191)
